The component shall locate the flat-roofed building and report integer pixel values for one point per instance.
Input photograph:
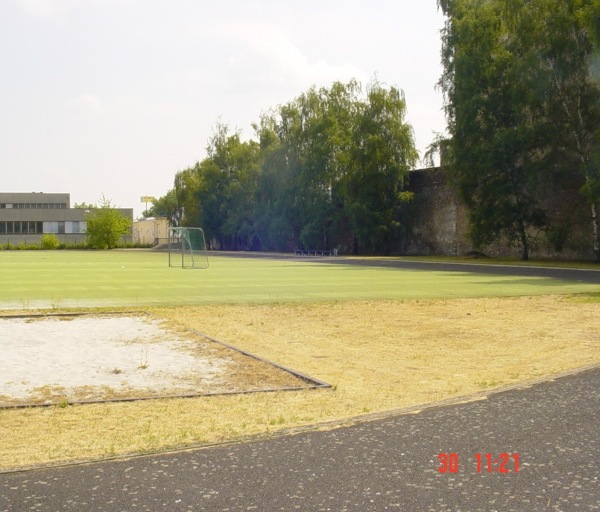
(25, 217)
(150, 231)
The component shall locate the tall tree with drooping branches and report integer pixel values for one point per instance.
(523, 106)
(494, 139)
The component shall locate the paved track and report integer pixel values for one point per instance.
(568, 274)
(385, 464)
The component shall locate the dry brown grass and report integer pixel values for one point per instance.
(379, 356)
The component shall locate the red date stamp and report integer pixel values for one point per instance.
(484, 462)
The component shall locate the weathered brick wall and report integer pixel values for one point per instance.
(439, 221)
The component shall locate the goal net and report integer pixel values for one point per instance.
(187, 248)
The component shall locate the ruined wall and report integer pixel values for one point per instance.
(439, 221)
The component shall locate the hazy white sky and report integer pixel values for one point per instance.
(113, 97)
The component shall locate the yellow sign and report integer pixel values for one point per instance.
(147, 199)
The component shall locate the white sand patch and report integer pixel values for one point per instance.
(97, 357)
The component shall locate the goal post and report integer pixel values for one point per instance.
(187, 248)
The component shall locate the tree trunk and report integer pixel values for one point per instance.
(524, 241)
(596, 232)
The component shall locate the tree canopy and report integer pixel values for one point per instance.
(105, 226)
(523, 107)
(325, 170)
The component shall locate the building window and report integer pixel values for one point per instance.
(73, 227)
(33, 206)
(21, 227)
(51, 227)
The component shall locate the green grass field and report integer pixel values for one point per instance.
(67, 279)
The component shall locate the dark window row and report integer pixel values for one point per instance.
(45, 206)
(21, 227)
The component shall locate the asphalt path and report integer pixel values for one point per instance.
(567, 274)
(391, 463)
(591, 276)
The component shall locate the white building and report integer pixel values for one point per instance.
(150, 231)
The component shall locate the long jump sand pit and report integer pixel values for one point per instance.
(62, 359)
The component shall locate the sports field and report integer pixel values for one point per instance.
(66, 279)
(385, 339)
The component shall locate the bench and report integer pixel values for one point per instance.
(302, 252)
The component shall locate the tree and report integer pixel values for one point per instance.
(105, 226)
(166, 206)
(314, 131)
(328, 168)
(523, 108)
(382, 151)
(237, 165)
(218, 192)
(345, 158)
(272, 227)
(495, 142)
(567, 47)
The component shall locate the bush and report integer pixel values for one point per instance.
(50, 241)
(105, 227)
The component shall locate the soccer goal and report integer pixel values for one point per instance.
(187, 248)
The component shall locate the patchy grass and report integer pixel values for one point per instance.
(385, 338)
(380, 355)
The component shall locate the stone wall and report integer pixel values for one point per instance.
(439, 221)
(438, 218)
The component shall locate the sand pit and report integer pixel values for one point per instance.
(89, 358)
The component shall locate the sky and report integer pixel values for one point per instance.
(111, 98)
